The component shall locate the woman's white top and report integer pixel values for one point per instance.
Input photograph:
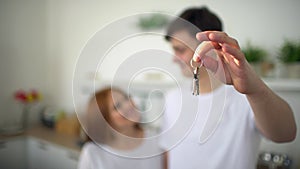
(146, 156)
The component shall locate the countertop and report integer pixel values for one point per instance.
(283, 84)
(49, 135)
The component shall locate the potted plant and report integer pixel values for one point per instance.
(289, 55)
(256, 56)
(153, 21)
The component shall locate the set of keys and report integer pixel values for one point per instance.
(196, 66)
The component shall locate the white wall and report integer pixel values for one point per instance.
(41, 40)
(73, 23)
(24, 61)
(48, 35)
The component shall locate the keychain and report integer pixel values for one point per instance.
(196, 88)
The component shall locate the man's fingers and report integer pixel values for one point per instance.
(202, 36)
(202, 50)
(236, 54)
(217, 37)
(211, 64)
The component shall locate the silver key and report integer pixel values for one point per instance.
(196, 91)
(196, 66)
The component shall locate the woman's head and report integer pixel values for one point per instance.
(117, 108)
(110, 111)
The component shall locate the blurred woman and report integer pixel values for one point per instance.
(116, 138)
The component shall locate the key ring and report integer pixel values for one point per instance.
(197, 64)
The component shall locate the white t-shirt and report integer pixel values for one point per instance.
(197, 139)
(145, 156)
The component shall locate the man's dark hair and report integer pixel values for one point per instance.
(194, 20)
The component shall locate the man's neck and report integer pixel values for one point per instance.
(207, 83)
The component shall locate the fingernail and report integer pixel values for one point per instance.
(202, 36)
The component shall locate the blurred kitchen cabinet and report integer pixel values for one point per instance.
(65, 158)
(68, 159)
(12, 154)
(45, 155)
(289, 90)
(40, 155)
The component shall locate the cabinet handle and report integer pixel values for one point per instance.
(42, 146)
(72, 156)
(2, 144)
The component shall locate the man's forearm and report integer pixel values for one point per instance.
(274, 117)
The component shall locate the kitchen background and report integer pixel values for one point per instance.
(41, 41)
